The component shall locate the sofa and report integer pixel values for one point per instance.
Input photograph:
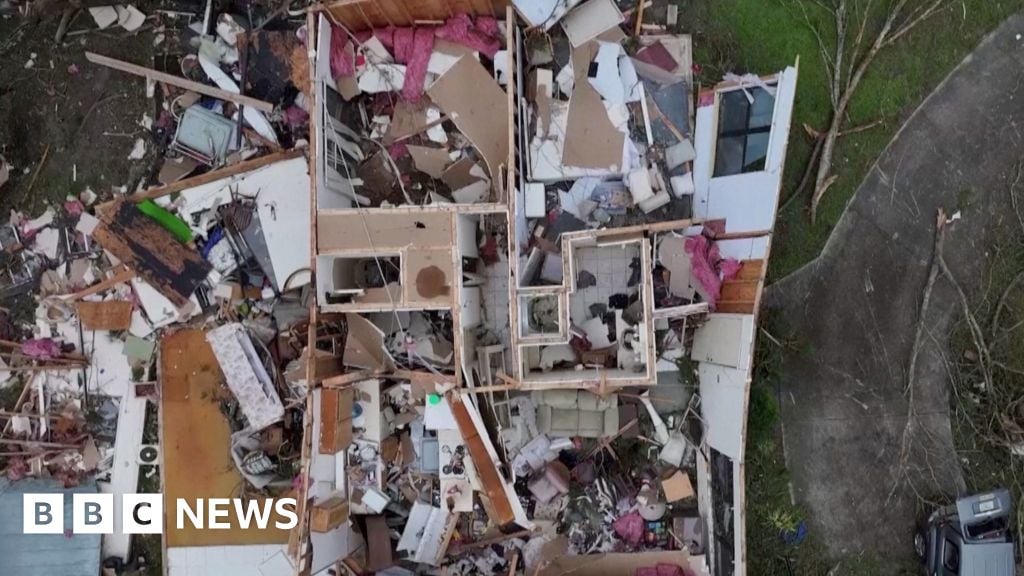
(565, 413)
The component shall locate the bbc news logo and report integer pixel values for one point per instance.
(144, 513)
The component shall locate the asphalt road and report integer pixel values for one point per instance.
(844, 407)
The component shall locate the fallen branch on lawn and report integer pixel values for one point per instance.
(846, 64)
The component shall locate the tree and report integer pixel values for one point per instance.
(846, 61)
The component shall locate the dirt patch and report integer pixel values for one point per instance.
(84, 118)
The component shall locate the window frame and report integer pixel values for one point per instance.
(747, 131)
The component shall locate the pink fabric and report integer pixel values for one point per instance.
(342, 65)
(40, 348)
(630, 528)
(708, 266)
(398, 150)
(73, 207)
(295, 117)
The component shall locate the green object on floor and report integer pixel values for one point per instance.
(168, 221)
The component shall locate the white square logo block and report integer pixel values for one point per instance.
(93, 513)
(43, 514)
(142, 513)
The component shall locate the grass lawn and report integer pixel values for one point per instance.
(763, 36)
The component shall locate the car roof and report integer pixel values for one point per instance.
(994, 559)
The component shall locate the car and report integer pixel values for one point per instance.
(969, 538)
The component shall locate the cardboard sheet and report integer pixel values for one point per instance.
(677, 487)
(478, 107)
(107, 315)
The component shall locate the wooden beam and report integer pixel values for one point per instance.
(343, 380)
(640, 5)
(178, 81)
(421, 377)
(214, 175)
(123, 275)
(486, 467)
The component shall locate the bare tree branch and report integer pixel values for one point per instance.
(914, 19)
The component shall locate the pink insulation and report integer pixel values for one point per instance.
(480, 35)
(413, 46)
(342, 63)
(708, 266)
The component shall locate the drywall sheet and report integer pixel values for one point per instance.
(725, 339)
(378, 232)
(723, 394)
(591, 139)
(478, 107)
(588, 20)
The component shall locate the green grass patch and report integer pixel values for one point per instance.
(763, 36)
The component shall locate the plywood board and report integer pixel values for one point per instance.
(196, 441)
(387, 232)
(359, 15)
(429, 276)
(478, 107)
(106, 315)
(151, 251)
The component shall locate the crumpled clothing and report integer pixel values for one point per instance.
(709, 268)
(630, 528)
(40, 348)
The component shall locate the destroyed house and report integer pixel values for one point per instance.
(481, 297)
(551, 242)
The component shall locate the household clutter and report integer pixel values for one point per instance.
(421, 476)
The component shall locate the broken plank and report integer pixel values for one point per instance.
(344, 380)
(172, 268)
(491, 480)
(422, 377)
(121, 276)
(214, 175)
(178, 81)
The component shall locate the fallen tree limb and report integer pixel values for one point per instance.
(178, 81)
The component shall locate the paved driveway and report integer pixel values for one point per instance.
(855, 307)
